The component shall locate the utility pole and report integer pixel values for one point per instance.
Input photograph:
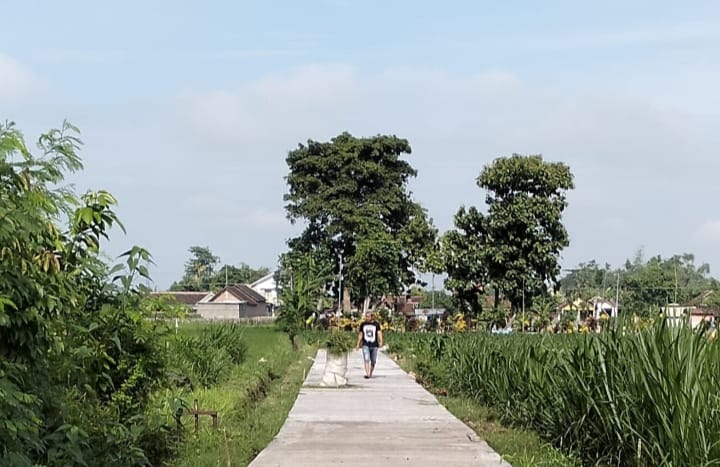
(433, 292)
(340, 289)
(617, 294)
(522, 323)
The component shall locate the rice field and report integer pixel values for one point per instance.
(622, 397)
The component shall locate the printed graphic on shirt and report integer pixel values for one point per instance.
(369, 333)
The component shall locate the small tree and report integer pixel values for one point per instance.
(302, 293)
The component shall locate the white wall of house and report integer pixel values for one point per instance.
(604, 306)
(266, 287)
(676, 314)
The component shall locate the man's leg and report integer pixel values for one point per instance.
(373, 359)
(366, 360)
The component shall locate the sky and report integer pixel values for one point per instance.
(188, 110)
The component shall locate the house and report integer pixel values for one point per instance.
(602, 305)
(581, 308)
(405, 304)
(696, 311)
(267, 287)
(235, 302)
(584, 309)
(575, 306)
(677, 314)
(425, 313)
(190, 299)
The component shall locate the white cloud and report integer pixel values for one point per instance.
(16, 80)
(314, 101)
(260, 110)
(213, 204)
(709, 231)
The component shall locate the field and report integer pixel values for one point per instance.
(252, 396)
(632, 397)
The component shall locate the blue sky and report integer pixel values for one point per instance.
(188, 109)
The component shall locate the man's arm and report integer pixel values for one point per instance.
(381, 340)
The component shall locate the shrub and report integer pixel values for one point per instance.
(339, 342)
(228, 337)
(208, 356)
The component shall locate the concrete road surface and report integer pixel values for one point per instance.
(389, 420)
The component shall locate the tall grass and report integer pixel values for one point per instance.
(647, 397)
(209, 354)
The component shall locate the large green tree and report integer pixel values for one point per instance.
(526, 197)
(516, 244)
(353, 195)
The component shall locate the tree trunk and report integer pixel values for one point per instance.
(346, 305)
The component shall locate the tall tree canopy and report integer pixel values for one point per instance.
(516, 245)
(202, 273)
(353, 195)
(199, 270)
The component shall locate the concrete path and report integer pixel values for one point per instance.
(389, 420)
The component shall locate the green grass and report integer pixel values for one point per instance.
(521, 448)
(252, 400)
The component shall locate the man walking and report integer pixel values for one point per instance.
(370, 338)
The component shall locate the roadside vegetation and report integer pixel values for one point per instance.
(83, 376)
(91, 372)
(627, 396)
(252, 396)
